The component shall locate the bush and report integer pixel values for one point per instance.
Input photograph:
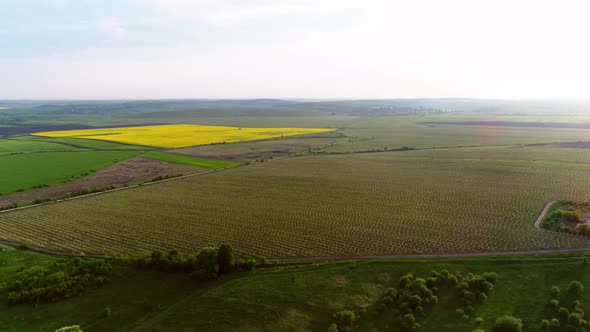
(554, 292)
(555, 323)
(408, 321)
(246, 264)
(575, 288)
(563, 313)
(545, 325)
(479, 321)
(459, 312)
(574, 320)
(106, 312)
(333, 328)
(344, 319)
(507, 324)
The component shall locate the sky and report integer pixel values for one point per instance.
(151, 49)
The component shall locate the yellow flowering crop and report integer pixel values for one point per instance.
(180, 135)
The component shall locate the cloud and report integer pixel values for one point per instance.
(224, 12)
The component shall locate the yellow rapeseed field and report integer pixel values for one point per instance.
(181, 135)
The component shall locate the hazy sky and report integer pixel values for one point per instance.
(294, 48)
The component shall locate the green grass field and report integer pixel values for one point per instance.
(87, 143)
(23, 171)
(10, 146)
(393, 132)
(376, 203)
(188, 160)
(291, 298)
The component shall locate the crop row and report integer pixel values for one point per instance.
(320, 205)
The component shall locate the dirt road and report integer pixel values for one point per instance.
(543, 213)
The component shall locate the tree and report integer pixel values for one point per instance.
(207, 264)
(333, 328)
(408, 321)
(575, 288)
(554, 292)
(225, 258)
(545, 325)
(574, 320)
(507, 324)
(563, 313)
(344, 319)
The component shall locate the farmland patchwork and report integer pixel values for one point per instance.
(181, 135)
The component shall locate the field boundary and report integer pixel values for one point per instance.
(117, 189)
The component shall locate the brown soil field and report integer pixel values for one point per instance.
(266, 149)
(514, 124)
(127, 172)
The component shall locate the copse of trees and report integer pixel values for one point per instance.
(207, 264)
(415, 296)
(570, 318)
(66, 278)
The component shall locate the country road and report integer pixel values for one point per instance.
(542, 215)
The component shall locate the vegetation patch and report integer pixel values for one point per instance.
(182, 135)
(188, 160)
(34, 170)
(345, 205)
(568, 217)
(66, 278)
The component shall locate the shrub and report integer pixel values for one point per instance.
(408, 321)
(479, 321)
(563, 313)
(333, 328)
(507, 324)
(574, 320)
(106, 312)
(246, 264)
(575, 288)
(555, 323)
(554, 292)
(554, 304)
(459, 312)
(545, 325)
(345, 319)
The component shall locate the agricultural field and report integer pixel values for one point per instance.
(86, 143)
(12, 146)
(187, 160)
(361, 204)
(128, 172)
(178, 136)
(28, 170)
(265, 149)
(393, 133)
